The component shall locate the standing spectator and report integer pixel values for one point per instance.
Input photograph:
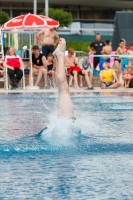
(126, 47)
(117, 62)
(49, 39)
(14, 66)
(107, 49)
(125, 61)
(108, 77)
(97, 45)
(84, 64)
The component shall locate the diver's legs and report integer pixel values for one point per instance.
(65, 103)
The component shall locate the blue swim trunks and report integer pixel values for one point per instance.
(124, 63)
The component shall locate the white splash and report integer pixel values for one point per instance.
(60, 131)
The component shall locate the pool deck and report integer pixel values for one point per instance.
(72, 90)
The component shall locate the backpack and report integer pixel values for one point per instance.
(26, 55)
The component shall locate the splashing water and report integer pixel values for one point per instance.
(61, 131)
(88, 159)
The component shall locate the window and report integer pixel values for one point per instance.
(74, 13)
(86, 14)
(17, 5)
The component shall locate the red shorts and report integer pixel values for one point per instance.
(74, 68)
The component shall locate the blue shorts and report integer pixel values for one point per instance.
(124, 62)
(47, 49)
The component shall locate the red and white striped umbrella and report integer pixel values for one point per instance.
(30, 21)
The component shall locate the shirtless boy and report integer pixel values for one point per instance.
(107, 49)
(71, 63)
(48, 40)
(120, 51)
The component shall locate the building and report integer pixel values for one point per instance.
(89, 16)
(85, 9)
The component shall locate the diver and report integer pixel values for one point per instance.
(65, 106)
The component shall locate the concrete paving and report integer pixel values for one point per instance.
(72, 90)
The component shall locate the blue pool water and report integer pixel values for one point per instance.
(91, 158)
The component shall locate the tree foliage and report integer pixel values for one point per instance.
(4, 17)
(78, 45)
(63, 17)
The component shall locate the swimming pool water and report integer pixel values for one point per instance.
(91, 158)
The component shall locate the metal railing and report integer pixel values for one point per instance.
(79, 54)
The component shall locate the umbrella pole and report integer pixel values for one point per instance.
(9, 39)
(31, 62)
(31, 87)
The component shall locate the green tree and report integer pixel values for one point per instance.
(4, 17)
(63, 17)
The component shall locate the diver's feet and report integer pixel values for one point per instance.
(60, 50)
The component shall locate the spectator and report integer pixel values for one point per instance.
(117, 62)
(107, 49)
(1, 68)
(51, 68)
(50, 39)
(128, 78)
(71, 63)
(39, 66)
(130, 52)
(14, 66)
(97, 45)
(108, 77)
(125, 61)
(84, 64)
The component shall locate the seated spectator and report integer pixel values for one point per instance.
(128, 78)
(51, 68)
(71, 63)
(106, 50)
(84, 64)
(108, 77)
(1, 68)
(14, 66)
(39, 66)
